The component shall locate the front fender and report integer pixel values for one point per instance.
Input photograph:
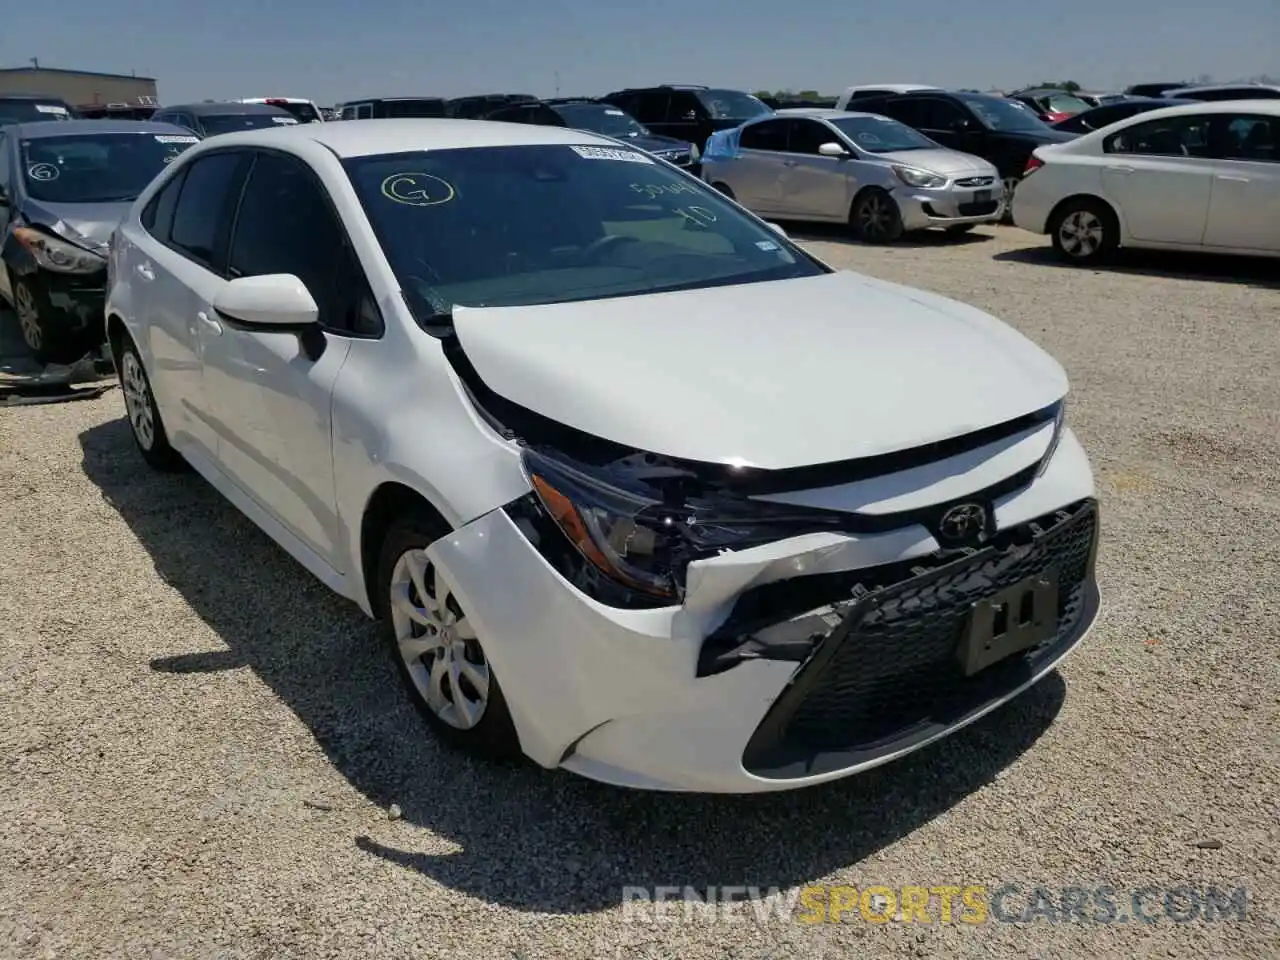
(17, 258)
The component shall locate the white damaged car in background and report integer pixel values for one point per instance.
(638, 487)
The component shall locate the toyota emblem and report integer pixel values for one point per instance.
(963, 523)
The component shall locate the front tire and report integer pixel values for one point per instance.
(1084, 230)
(876, 218)
(436, 648)
(45, 329)
(144, 416)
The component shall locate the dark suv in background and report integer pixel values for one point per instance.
(596, 116)
(687, 113)
(475, 107)
(33, 108)
(1000, 131)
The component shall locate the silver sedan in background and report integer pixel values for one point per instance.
(878, 175)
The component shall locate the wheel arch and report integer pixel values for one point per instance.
(116, 332)
(863, 191)
(388, 501)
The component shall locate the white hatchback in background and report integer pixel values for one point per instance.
(852, 95)
(1205, 176)
(879, 176)
(637, 486)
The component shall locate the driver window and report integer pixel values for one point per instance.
(808, 135)
(767, 135)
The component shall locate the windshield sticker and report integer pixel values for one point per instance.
(283, 120)
(609, 153)
(655, 190)
(51, 108)
(175, 138)
(417, 189)
(614, 113)
(43, 172)
(766, 245)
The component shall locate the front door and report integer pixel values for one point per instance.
(814, 186)
(1161, 176)
(273, 399)
(762, 157)
(1244, 206)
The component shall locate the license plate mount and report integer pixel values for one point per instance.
(982, 196)
(1015, 619)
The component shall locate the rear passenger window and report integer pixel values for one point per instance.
(1185, 136)
(765, 135)
(209, 193)
(157, 216)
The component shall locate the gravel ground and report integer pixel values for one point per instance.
(201, 747)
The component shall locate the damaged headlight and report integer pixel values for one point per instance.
(627, 530)
(56, 254)
(915, 177)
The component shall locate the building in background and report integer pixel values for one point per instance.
(82, 88)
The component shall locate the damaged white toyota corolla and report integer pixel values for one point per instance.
(639, 488)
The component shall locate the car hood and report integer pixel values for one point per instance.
(947, 163)
(87, 225)
(773, 375)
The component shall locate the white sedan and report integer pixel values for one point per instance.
(638, 487)
(1200, 177)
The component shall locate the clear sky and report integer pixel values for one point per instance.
(331, 50)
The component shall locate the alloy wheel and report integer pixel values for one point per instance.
(137, 400)
(437, 643)
(24, 304)
(1081, 233)
(874, 217)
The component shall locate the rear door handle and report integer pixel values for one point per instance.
(1223, 176)
(1121, 169)
(210, 323)
(145, 272)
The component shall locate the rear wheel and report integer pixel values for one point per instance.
(144, 416)
(876, 218)
(436, 646)
(1084, 230)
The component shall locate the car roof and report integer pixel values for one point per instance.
(378, 136)
(83, 128)
(891, 87)
(413, 99)
(819, 113)
(228, 107)
(1210, 88)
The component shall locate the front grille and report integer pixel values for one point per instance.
(976, 182)
(978, 209)
(889, 673)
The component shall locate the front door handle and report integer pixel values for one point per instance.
(1120, 169)
(1223, 176)
(210, 323)
(145, 272)
(790, 163)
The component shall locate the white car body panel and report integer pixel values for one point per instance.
(302, 448)
(879, 88)
(1163, 202)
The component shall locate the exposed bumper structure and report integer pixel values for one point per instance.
(730, 693)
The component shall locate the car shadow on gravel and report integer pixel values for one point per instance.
(1253, 271)
(529, 839)
(838, 233)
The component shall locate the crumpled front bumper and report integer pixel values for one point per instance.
(616, 695)
(948, 206)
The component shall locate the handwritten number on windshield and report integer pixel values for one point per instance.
(654, 190)
(417, 189)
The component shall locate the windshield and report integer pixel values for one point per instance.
(231, 122)
(518, 225)
(99, 167)
(1064, 103)
(732, 105)
(302, 110)
(1005, 116)
(599, 118)
(32, 111)
(882, 135)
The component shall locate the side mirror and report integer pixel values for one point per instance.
(274, 302)
(777, 229)
(832, 149)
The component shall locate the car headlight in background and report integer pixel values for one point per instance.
(56, 254)
(915, 177)
(637, 537)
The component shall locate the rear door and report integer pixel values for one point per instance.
(175, 272)
(1244, 206)
(762, 161)
(1161, 173)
